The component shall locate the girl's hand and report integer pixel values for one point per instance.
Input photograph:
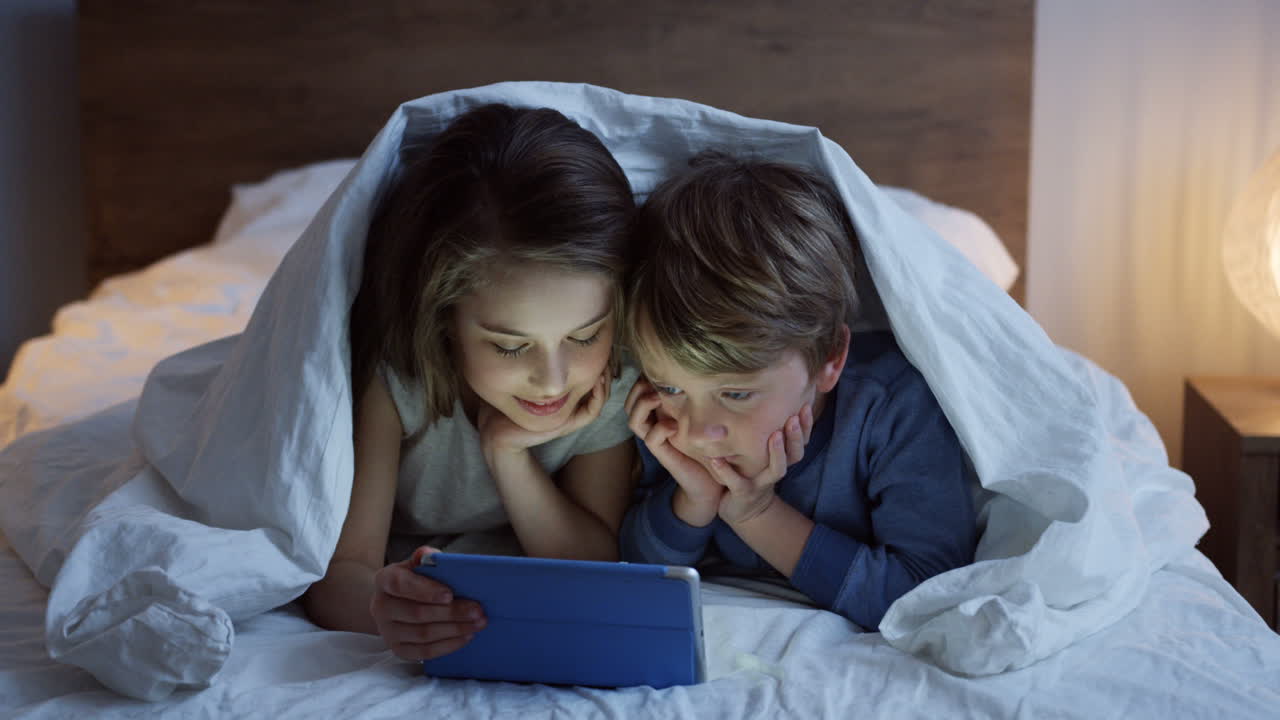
(418, 617)
(748, 497)
(500, 436)
(642, 406)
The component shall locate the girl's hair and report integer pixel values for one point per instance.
(738, 261)
(499, 184)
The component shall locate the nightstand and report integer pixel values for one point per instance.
(1231, 448)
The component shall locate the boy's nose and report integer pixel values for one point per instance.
(703, 431)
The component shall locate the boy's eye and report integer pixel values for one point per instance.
(737, 395)
(587, 341)
(666, 389)
(510, 352)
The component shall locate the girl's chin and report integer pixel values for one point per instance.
(540, 425)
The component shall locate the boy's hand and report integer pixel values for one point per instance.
(748, 497)
(500, 436)
(418, 617)
(703, 491)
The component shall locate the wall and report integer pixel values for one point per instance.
(41, 218)
(1148, 117)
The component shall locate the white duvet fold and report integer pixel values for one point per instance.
(228, 499)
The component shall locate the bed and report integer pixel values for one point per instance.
(183, 103)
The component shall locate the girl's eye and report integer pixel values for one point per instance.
(510, 352)
(737, 395)
(666, 389)
(587, 341)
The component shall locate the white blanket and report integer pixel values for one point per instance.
(233, 498)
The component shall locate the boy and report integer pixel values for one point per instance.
(740, 305)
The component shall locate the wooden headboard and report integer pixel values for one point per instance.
(182, 99)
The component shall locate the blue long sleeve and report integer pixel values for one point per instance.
(652, 533)
(884, 480)
(918, 502)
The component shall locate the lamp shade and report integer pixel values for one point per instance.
(1251, 246)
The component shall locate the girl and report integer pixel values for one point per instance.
(488, 384)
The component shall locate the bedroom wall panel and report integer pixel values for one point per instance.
(42, 237)
(183, 99)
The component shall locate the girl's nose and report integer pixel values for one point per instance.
(550, 374)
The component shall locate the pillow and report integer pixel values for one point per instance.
(966, 232)
(271, 214)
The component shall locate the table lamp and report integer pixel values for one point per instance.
(1251, 246)
(1231, 425)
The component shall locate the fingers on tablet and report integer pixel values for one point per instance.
(411, 611)
(431, 633)
(427, 651)
(463, 611)
(404, 583)
(435, 630)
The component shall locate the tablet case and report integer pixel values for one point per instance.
(572, 622)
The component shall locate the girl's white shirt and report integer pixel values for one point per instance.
(445, 496)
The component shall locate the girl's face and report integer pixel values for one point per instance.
(532, 340)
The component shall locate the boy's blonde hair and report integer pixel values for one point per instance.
(737, 262)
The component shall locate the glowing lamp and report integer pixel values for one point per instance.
(1251, 246)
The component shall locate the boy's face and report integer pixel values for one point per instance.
(729, 416)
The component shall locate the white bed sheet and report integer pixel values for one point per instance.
(100, 350)
(1192, 648)
(1186, 652)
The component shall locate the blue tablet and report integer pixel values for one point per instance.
(573, 622)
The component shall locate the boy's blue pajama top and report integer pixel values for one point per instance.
(883, 478)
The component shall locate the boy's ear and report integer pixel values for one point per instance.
(829, 374)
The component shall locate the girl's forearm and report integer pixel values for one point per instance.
(340, 600)
(545, 519)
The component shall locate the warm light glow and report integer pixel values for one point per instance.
(1251, 246)
(1273, 239)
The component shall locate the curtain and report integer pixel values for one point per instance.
(1148, 118)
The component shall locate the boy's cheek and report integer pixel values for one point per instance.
(664, 415)
(750, 466)
(757, 456)
(677, 442)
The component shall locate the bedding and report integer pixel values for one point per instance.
(1187, 651)
(271, 213)
(1183, 640)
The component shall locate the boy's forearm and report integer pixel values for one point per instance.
(778, 535)
(547, 521)
(690, 511)
(340, 601)
(653, 533)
